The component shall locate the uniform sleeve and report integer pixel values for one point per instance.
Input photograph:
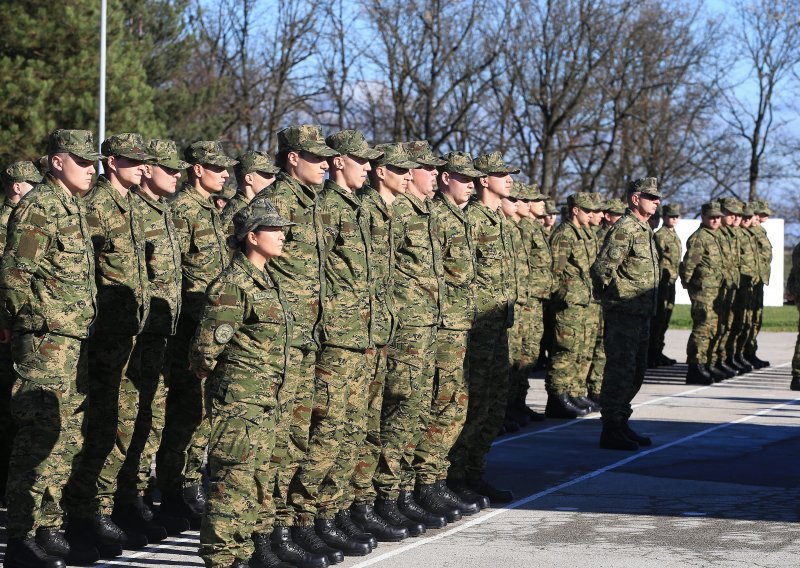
(561, 249)
(692, 258)
(331, 218)
(222, 317)
(183, 229)
(614, 251)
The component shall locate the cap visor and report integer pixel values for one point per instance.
(172, 164)
(222, 161)
(469, 172)
(435, 162)
(269, 171)
(368, 154)
(136, 156)
(93, 156)
(405, 164)
(321, 150)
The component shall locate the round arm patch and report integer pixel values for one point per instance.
(223, 333)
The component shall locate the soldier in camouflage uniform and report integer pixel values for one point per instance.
(750, 270)
(762, 213)
(47, 306)
(146, 367)
(320, 491)
(730, 299)
(585, 391)
(626, 276)
(17, 179)
(204, 254)
(549, 219)
(242, 349)
(254, 172)
(669, 257)
(488, 360)
(123, 300)
(793, 295)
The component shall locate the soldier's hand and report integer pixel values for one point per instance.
(199, 373)
(5, 335)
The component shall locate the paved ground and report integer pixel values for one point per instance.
(719, 487)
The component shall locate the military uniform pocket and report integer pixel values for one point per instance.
(230, 441)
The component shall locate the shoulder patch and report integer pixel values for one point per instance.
(615, 253)
(179, 223)
(223, 333)
(37, 219)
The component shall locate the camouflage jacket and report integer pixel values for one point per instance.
(298, 270)
(669, 249)
(346, 308)
(47, 275)
(458, 262)
(702, 264)
(600, 232)
(5, 214)
(571, 266)
(729, 243)
(381, 239)
(540, 277)
(494, 274)
(749, 259)
(419, 288)
(764, 252)
(793, 283)
(243, 336)
(236, 204)
(203, 248)
(123, 290)
(163, 255)
(626, 272)
(593, 248)
(519, 261)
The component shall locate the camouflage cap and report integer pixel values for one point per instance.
(711, 209)
(583, 200)
(208, 152)
(493, 163)
(255, 161)
(420, 151)
(43, 164)
(530, 192)
(394, 155)
(648, 186)
(165, 154)
(748, 209)
(672, 210)
(598, 201)
(615, 206)
(731, 205)
(259, 214)
(304, 138)
(352, 143)
(126, 145)
(550, 207)
(77, 142)
(21, 172)
(459, 163)
(762, 207)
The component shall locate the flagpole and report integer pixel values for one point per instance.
(102, 125)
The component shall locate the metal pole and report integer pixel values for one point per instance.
(102, 126)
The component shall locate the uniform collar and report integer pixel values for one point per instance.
(457, 211)
(493, 216)
(373, 195)
(157, 204)
(421, 206)
(305, 194)
(103, 184)
(190, 191)
(260, 277)
(70, 202)
(10, 204)
(350, 197)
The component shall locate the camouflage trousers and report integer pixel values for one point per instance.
(724, 307)
(241, 441)
(751, 341)
(45, 408)
(108, 422)
(488, 395)
(573, 346)
(627, 341)
(406, 407)
(796, 358)
(145, 374)
(705, 321)
(522, 352)
(338, 429)
(7, 427)
(295, 402)
(593, 382)
(449, 404)
(660, 323)
(744, 308)
(179, 461)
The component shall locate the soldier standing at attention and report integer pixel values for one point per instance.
(549, 219)
(612, 211)
(146, 366)
(254, 172)
(585, 391)
(123, 303)
(242, 349)
(47, 305)
(762, 213)
(626, 276)
(750, 270)
(204, 254)
(670, 250)
(17, 179)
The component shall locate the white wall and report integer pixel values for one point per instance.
(773, 294)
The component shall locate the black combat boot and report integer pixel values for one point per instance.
(463, 490)
(717, 375)
(665, 361)
(733, 364)
(263, 557)
(630, 433)
(26, 553)
(337, 539)
(697, 374)
(795, 385)
(585, 402)
(560, 406)
(429, 499)
(138, 517)
(387, 508)
(307, 538)
(195, 498)
(364, 515)
(730, 371)
(483, 487)
(53, 542)
(289, 551)
(174, 506)
(344, 520)
(744, 363)
(98, 533)
(467, 508)
(595, 398)
(532, 415)
(756, 362)
(613, 437)
(416, 512)
(238, 563)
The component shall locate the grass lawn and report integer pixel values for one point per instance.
(776, 318)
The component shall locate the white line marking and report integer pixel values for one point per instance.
(591, 475)
(171, 542)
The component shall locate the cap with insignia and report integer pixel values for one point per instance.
(530, 192)
(672, 210)
(126, 145)
(598, 201)
(352, 143)
(550, 207)
(731, 205)
(165, 154)
(77, 142)
(21, 172)
(762, 207)
(255, 161)
(747, 210)
(648, 186)
(711, 209)
(208, 152)
(615, 206)
(582, 199)
(459, 163)
(420, 151)
(259, 214)
(493, 163)
(394, 155)
(304, 138)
